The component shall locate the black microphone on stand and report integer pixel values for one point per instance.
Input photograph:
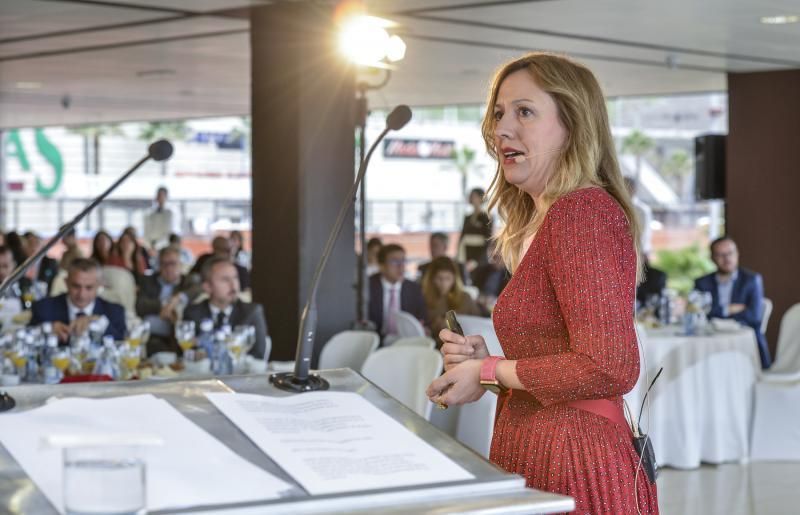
(161, 150)
(301, 380)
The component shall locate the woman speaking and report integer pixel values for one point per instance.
(565, 320)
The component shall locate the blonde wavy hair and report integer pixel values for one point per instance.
(587, 158)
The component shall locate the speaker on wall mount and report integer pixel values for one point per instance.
(709, 165)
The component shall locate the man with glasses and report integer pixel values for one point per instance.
(160, 297)
(737, 293)
(390, 292)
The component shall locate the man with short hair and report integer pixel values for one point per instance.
(221, 283)
(221, 248)
(158, 223)
(71, 312)
(737, 293)
(390, 292)
(160, 295)
(438, 244)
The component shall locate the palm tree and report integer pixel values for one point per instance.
(93, 133)
(677, 167)
(464, 161)
(638, 144)
(172, 130)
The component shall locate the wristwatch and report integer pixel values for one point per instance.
(488, 377)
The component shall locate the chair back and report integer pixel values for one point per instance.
(417, 341)
(119, 287)
(765, 316)
(787, 355)
(408, 326)
(473, 291)
(348, 349)
(484, 327)
(405, 372)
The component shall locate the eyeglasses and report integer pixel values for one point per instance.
(395, 262)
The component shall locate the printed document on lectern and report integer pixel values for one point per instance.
(334, 442)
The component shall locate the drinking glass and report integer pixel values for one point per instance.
(104, 480)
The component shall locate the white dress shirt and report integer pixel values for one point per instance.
(390, 289)
(725, 291)
(73, 310)
(215, 313)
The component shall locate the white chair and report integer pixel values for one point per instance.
(59, 284)
(765, 316)
(417, 341)
(119, 287)
(776, 421)
(472, 291)
(408, 326)
(484, 327)
(404, 373)
(348, 349)
(787, 354)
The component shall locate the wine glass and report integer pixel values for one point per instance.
(61, 359)
(185, 334)
(131, 357)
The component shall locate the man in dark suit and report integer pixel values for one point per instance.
(160, 296)
(7, 265)
(221, 283)
(737, 293)
(47, 268)
(71, 312)
(438, 244)
(490, 278)
(390, 292)
(221, 247)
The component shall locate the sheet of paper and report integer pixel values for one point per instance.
(333, 442)
(191, 468)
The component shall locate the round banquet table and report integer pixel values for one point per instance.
(701, 407)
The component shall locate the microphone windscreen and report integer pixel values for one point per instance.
(161, 150)
(398, 118)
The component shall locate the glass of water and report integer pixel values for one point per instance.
(104, 479)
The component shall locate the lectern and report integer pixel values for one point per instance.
(491, 491)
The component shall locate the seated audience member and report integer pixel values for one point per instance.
(490, 279)
(653, 283)
(125, 254)
(17, 245)
(187, 258)
(142, 254)
(71, 312)
(443, 291)
(101, 247)
(390, 292)
(239, 255)
(47, 268)
(7, 265)
(72, 251)
(737, 293)
(373, 247)
(221, 248)
(221, 283)
(160, 296)
(438, 243)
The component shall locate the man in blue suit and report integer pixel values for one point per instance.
(737, 293)
(71, 312)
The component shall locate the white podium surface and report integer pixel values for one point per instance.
(490, 491)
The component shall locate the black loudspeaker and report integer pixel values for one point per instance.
(709, 166)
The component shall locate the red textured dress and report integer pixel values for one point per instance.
(566, 316)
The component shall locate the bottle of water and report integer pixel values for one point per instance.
(665, 309)
(205, 339)
(222, 360)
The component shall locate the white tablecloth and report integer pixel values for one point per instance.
(701, 406)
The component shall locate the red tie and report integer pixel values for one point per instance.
(391, 322)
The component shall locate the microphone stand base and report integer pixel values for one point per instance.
(289, 382)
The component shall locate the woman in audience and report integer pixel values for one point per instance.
(101, 247)
(125, 254)
(15, 242)
(565, 320)
(443, 291)
(475, 233)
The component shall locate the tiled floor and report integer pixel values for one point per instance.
(755, 488)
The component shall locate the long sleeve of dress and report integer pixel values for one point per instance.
(590, 261)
